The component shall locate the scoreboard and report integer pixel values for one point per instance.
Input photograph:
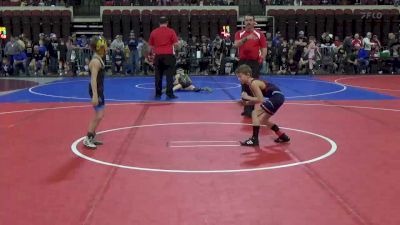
(3, 33)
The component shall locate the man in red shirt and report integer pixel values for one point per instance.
(252, 45)
(162, 41)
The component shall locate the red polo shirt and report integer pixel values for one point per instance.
(250, 50)
(162, 40)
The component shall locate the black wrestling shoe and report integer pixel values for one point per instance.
(282, 139)
(249, 142)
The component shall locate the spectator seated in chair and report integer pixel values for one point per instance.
(363, 59)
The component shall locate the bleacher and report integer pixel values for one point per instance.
(34, 20)
(185, 20)
(340, 20)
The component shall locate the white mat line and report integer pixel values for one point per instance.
(200, 146)
(202, 141)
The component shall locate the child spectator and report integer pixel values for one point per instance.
(37, 61)
(148, 62)
(85, 71)
(118, 60)
(293, 67)
(6, 68)
(283, 68)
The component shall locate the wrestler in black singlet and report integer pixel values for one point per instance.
(275, 97)
(100, 84)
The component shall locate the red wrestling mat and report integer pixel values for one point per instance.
(384, 84)
(189, 170)
(11, 84)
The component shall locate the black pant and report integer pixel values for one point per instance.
(164, 64)
(255, 68)
(254, 65)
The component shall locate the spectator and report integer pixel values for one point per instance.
(375, 46)
(217, 55)
(26, 41)
(74, 40)
(20, 63)
(52, 54)
(328, 40)
(6, 68)
(133, 54)
(392, 40)
(148, 64)
(194, 46)
(117, 43)
(312, 54)
(85, 71)
(303, 63)
(206, 41)
(340, 60)
(62, 57)
(302, 36)
(29, 52)
(205, 59)
(293, 67)
(36, 64)
(347, 44)
(299, 44)
(363, 60)
(367, 43)
(118, 61)
(337, 42)
(227, 56)
(12, 48)
(276, 40)
(141, 44)
(283, 51)
(43, 59)
(356, 42)
(351, 66)
(292, 49)
(71, 55)
(268, 59)
(182, 54)
(82, 42)
(283, 68)
(375, 42)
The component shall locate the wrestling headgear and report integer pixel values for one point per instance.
(99, 45)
